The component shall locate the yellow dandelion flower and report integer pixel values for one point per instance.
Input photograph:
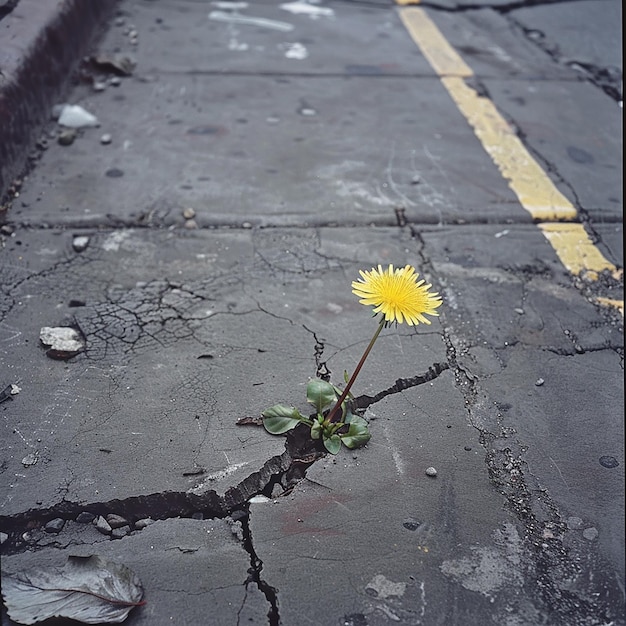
(397, 294)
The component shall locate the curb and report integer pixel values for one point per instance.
(40, 45)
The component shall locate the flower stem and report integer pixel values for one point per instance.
(342, 397)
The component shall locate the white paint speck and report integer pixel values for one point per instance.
(304, 8)
(296, 51)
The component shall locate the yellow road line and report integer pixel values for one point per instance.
(576, 251)
(526, 178)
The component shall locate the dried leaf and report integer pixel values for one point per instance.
(92, 590)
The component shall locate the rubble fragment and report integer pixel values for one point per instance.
(74, 116)
(63, 342)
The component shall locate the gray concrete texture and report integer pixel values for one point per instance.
(309, 146)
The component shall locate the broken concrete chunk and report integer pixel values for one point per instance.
(74, 116)
(63, 342)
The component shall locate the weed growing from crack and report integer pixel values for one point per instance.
(397, 296)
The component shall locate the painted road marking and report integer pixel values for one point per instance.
(556, 216)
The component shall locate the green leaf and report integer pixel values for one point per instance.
(320, 394)
(332, 443)
(358, 433)
(279, 419)
(316, 430)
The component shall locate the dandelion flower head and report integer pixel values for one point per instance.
(397, 294)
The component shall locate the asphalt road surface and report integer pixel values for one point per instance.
(197, 245)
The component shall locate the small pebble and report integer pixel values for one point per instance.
(66, 137)
(85, 517)
(539, 382)
(519, 311)
(189, 213)
(102, 525)
(608, 461)
(191, 224)
(106, 139)
(590, 533)
(99, 85)
(116, 521)
(3, 537)
(80, 243)
(431, 471)
(574, 523)
(142, 523)
(55, 525)
(6, 229)
(122, 531)
(30, 459)
(115, 81)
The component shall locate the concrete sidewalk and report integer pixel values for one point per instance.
(202, 241)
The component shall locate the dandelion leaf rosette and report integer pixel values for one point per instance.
(332, 443)
(358, 433)
(278, 419)
(91, 590)
(320, 394)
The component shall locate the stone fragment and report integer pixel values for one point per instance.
(116, 521)
(30, 459)
(63, 342)
(74, 116)
(122, 531)
(140, 524)
(3, 538)
(106, 139)
(66, 137)
(85, 517)
(590, 533)
(55, 525)
(431, 471)
(102, 525)
(80, 243)
(189, 213)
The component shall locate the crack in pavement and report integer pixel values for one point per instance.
(556, 555)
